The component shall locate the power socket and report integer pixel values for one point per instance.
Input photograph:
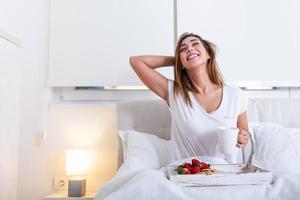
(60, 183)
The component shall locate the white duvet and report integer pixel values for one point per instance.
(134, 181)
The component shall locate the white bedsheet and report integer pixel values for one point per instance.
(153, 184)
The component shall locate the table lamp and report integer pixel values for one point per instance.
(77, 164)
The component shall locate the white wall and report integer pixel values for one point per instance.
(83, 127)
(27, 20)
(9, 120)
(33, 162)
(38, 163)
(29, 166)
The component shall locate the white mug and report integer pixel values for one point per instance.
(227, 140)
(230, 121)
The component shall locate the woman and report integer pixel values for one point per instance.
(199, 100)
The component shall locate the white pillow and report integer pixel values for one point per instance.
(131, 165)
(150, 149)
(276, 148)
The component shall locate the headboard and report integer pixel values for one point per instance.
(153, 116)
(285, 112)
(149, 116)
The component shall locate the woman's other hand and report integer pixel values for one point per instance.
(243, 138)
(244, 135)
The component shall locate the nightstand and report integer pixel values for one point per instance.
(64, 196)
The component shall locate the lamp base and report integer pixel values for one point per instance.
(76, 187)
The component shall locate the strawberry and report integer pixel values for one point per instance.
(187, 165)
(195, 169)
(203, 165)
(183, 170)
(195, 162)
(180, 170)
(180, 166)
(187, 171)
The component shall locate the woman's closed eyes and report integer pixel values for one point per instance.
(184, 47)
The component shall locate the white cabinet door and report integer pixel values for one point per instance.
(295, 93)
(91, 40)
(267, 94)
(257, 40)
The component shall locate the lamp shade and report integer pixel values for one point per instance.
(77, 162)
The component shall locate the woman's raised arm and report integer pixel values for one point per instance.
(144, 67)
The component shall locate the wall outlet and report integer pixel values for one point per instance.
(60, 183)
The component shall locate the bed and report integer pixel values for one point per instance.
(144, 150)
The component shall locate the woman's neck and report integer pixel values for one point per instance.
(200, 79)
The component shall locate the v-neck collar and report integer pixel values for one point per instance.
(198, 104)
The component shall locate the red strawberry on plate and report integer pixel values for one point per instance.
(203, 165)
(195, 169)
(187, 165)
(183, 170)
(180, 166)
(195, 162)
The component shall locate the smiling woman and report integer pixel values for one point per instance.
(191, 52)
(198, 99)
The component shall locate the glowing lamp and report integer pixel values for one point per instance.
(77, 165)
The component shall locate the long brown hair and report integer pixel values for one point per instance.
(182, 82)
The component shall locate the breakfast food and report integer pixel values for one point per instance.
(195, 167)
